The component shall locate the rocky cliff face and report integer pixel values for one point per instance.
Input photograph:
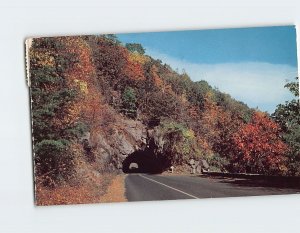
(127, 137)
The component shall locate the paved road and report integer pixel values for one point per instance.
(143, 187)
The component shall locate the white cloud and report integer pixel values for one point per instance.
(255, 83)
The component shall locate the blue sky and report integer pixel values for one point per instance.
(251, 64)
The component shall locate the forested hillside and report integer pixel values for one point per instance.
(96, 101)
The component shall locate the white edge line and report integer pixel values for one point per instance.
(190, 195)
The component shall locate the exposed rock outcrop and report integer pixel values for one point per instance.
(126, 137)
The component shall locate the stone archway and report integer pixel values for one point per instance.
(143, 161)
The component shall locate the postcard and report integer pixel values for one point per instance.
(164, 115)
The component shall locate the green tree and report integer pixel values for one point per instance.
(288, 116)
(134, 47)
(178, 143)
(113, 38)
(129, 100)
(52, 98)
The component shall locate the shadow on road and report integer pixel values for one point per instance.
(259, 181)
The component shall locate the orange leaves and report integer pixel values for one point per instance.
(83, 69)
(92, 189)
(193, 112)
(134, 70)
(67, 194)
(209, 120)
(42, 58)
(134, 66)
(258, 144)
(157, 80)
(82, 74)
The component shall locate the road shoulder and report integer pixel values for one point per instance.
(116, 191)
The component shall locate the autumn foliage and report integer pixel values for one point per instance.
(257, 146)
(84, 85)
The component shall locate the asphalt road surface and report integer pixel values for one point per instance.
(144, 187)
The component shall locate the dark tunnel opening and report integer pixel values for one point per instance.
(144, 161)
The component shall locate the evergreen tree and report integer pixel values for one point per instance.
(129, 103)
(52, 98)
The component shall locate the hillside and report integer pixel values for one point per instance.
(97, 103)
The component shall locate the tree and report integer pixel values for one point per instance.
(112, 38)
(198, 92)
(129, 103)
(134, 47)
(110, 60)
(177, 143)
(288, 117)
(134, 68)
(54, 124)
(79, 83)
(257, 147)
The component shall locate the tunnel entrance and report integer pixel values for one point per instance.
(144, 161)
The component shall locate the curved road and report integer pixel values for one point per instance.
(144, 187)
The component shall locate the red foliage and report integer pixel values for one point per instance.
(134, 70)
(110, 61)
(83, 75)
(158, 82)
(209, 124)
(257, 146)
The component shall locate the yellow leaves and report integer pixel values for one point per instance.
(283, 168)
(74, 111)
(183, 98)
(209, 96)
(82, 75)
(82, 86)
(136, 57)
(83, 69)
(43, 58)
(189, 134)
